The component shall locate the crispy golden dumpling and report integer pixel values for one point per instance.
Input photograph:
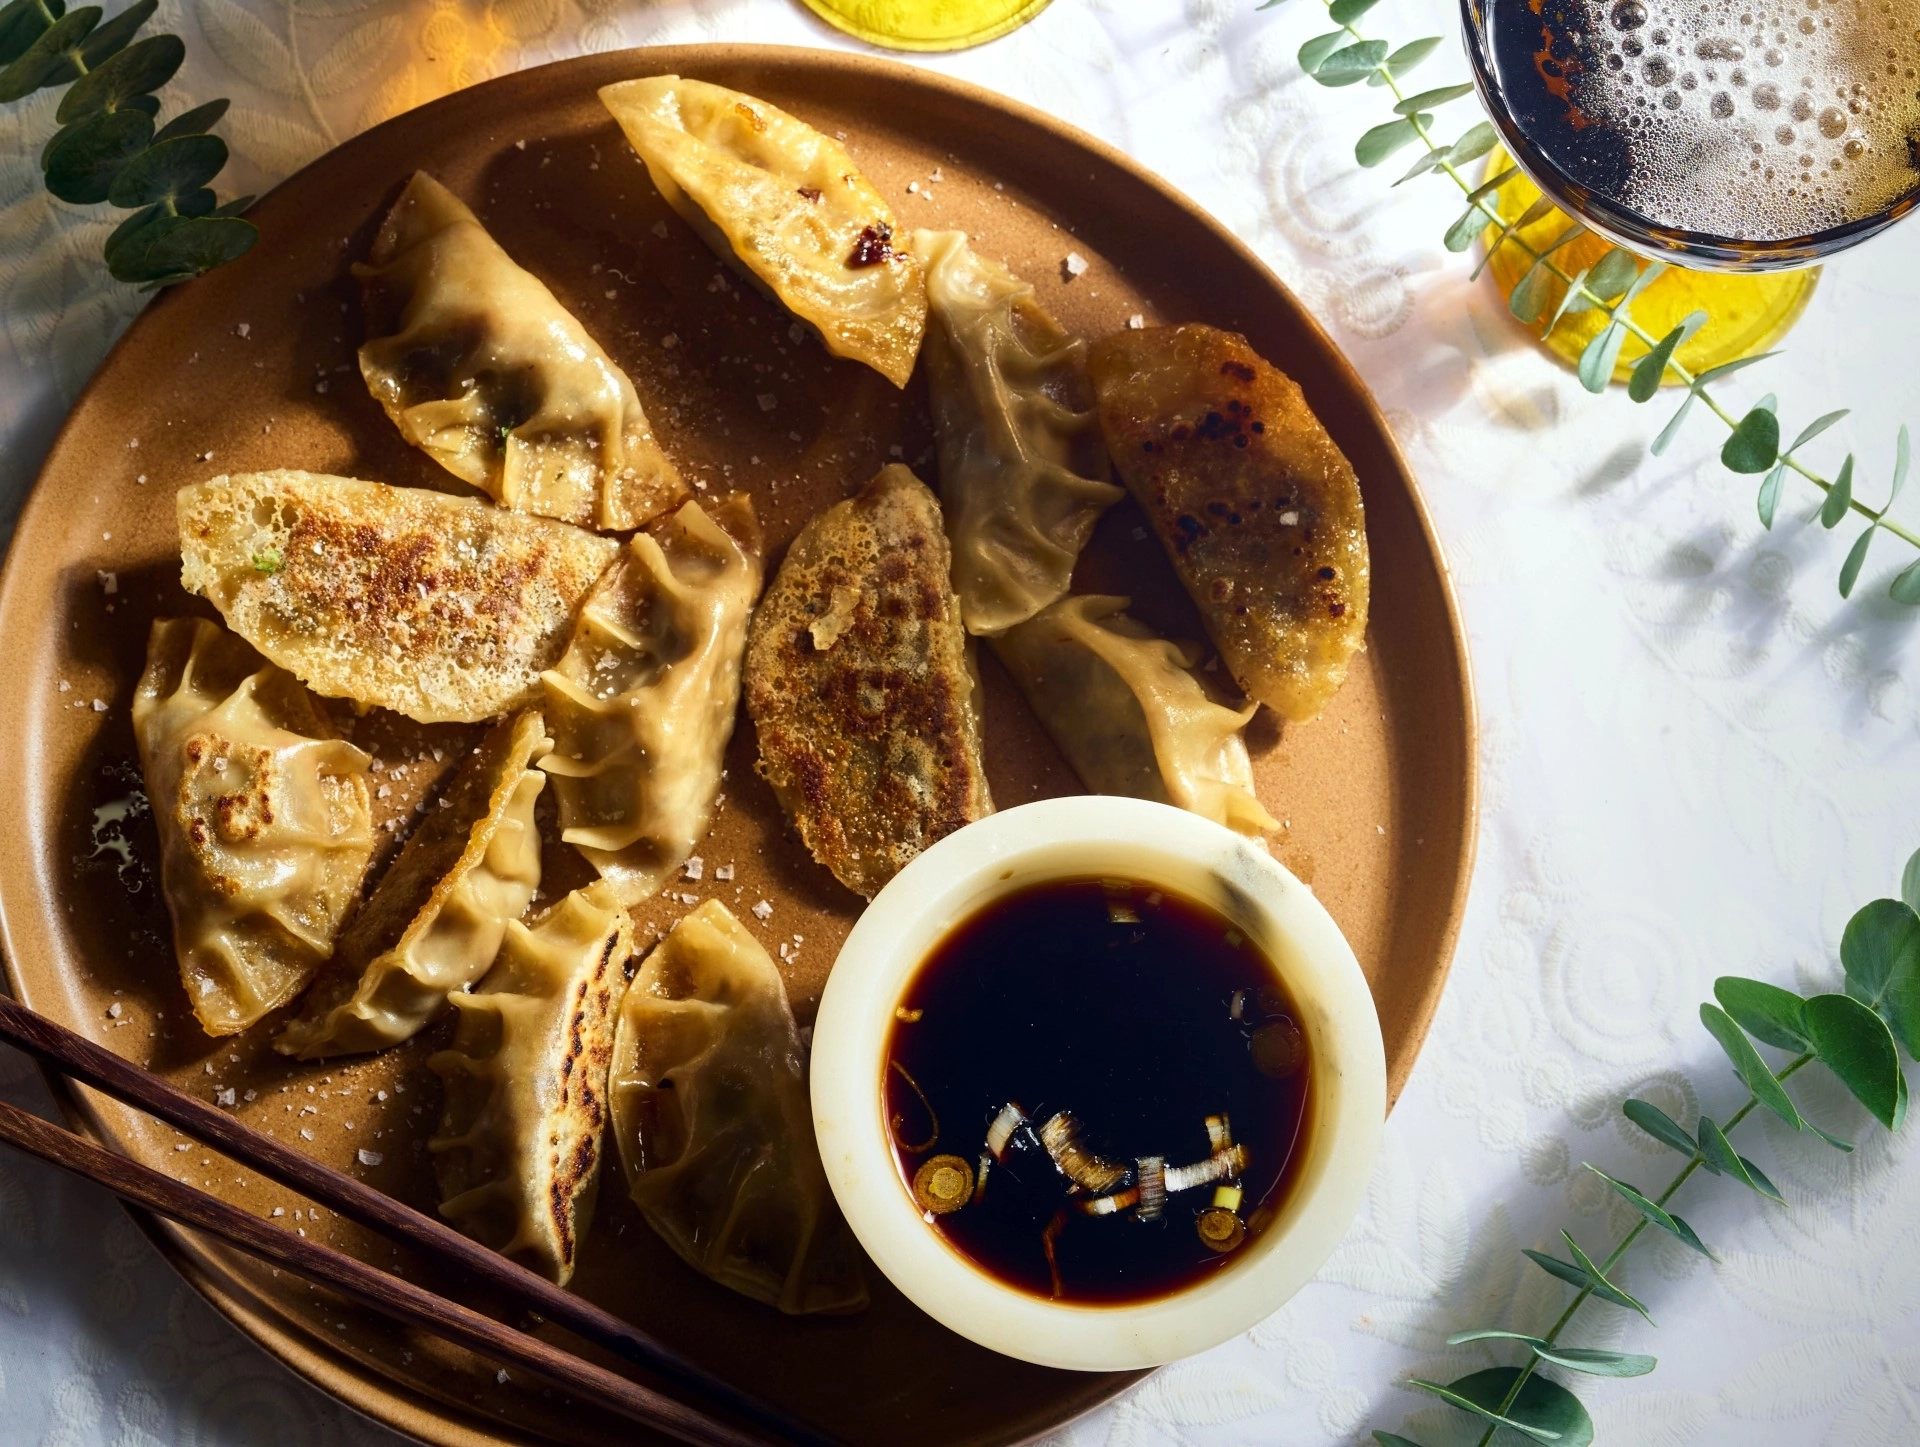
(1123, 705)
(518, 1150)
(785, 204)
(445, 609)
(437, 916)
(264, 821)
(642, 704)
(1023, 472)
(861, 685)
(483, 370)
(710, 1113)
(1258, 509)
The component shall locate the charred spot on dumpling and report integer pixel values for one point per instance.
(755, 121)
(1240, 371)
(874, 247)
(811, 193)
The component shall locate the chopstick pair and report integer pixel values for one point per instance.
(101, 1068)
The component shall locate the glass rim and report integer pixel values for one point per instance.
(1700, 250)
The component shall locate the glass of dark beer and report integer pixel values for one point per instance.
(1729, 135)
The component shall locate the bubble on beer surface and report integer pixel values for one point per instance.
(1826, 132)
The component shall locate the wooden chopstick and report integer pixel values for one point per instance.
(100, 1067)
(355, 1278)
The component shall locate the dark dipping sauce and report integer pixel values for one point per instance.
(1139, 1012)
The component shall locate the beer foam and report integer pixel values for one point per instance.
(1759, 119)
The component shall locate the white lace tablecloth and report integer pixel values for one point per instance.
(1696, 757)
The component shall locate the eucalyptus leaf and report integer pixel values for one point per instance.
(1655, 1214)
(1427, 99)
(1461, 1338)
(1856, 1045)
(1460, 235)
(1880, 952)
(21, 23)
(1603, 1288)
(1541, 208)
(1573, 301)
(1475, 144)
(1720, 1157)
(1672, 429)
(1839, 496)
(196, 245)
(1910, 883)
(1412, 53)
(109, 38)
(184, 163)
(1661, 1126)
(1383, 140)
(1856, 559)
(1902, 460)
(1352, 64)
(1345, 12)
(1613, 273)
(1755, 442)
(83, 158)
(1596, 1363)
(195, 122)
(1769, 1014)
(1768, 502)
(1529, 297)
(140, 69)
(1814, 428)
(1747, 1063)
(1651, 369)
(1727, 369)
(1319, 48)
(1906, 587)
(1542, 1409)
(1431, 161)
(46, 61)
(1602, 354)
(1493, 183)
(1575, 1275)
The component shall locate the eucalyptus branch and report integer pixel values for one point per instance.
(1346, 57)
(108, 149)
(1859, 1036)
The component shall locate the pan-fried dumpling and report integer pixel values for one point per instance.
(437, 916)
(642, 704)
(483, 370)
(1258, 509)
(518, 1149)
(265, 826)
(1023, 472)
(711, 1115)
(445, 609)
(1131, 718)
(785, 204)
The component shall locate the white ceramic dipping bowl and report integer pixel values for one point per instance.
(1157, 846)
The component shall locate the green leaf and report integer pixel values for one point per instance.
(1856, 559)
(1613, 273)
(1529, 298)
(1720, 1157)
(1540, 208)
(83, 158)
(1747, 1064)
(1656, 1214)
(195, 122)
(1651, 369)
(1492, 183)
(1768, 502)
(1910, 883)
(1857, 1046)
(1661, 1126)
(1383, 140)
(184, 163)
(140, 69)
(1902, 460)
(1573, 301)
(46, 61)
(1475, 144)
(1345, 12)
(109, 38)
(1880, 951)
(126, 250)
(1727, 369)
(1906, 587)
(1460, 235)
(21, 23)
(1596, 1363)
(1413, 52)
(1839, 496)
(1672, 429)
(195, 245)
(1542, 1409)
(1600, 357)
(1461, 1338)
(1755, 443)
(1351, 65)
(1768, 1013)
(1814, 428)
(1319, 48)
(1582, 1273)
(1430, 161)
(1428, 99)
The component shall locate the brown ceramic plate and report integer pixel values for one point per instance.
(253, 367)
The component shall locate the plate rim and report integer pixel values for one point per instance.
(404, 1408)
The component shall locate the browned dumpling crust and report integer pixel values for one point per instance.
(861, 685)
(480, 367)
(1258, 509)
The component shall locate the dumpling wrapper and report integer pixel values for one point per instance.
(264, 820)
(713, 1123)
(437, 917)
(445, 609)
(1258, 509)
(481, 368)
(1124, 707)
(642, 704)
(517, 1153)
(1023, 470)
(788, 206)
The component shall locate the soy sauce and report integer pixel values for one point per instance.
(1140, 1013)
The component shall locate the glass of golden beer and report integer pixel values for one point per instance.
(1728, 135)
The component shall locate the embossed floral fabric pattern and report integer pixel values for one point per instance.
(1696, 758)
